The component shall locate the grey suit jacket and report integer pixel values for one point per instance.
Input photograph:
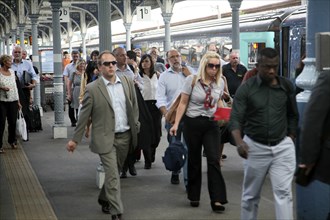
(97, 105)
(315, 132)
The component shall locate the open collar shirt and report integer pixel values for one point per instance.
(117, 97)
(169, 87)
(22, 66)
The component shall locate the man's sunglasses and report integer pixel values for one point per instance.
(211, 65)
(107, 63)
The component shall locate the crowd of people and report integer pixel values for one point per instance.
(118, 99)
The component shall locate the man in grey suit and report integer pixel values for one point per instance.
(111, 103)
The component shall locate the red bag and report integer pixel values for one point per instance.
(222, 114)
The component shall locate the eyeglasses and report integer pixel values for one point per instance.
(211, 65)
(107, 63)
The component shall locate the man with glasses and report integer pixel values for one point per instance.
(169, 87)
(111, 103)
(68, 70)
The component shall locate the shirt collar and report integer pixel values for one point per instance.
(107, 82)
(280, 84)
(170, 70)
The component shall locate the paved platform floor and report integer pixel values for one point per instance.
(41, 180)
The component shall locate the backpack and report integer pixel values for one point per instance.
(175, 156)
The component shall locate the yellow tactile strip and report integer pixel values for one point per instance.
(28, 196)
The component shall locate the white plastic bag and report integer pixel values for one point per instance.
(21, 126)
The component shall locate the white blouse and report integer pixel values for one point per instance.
(8, 81)
(149, 87)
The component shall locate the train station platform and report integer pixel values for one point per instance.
(40, 180)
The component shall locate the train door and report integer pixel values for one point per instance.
(253, 50)
(251, 43)
(285, 52)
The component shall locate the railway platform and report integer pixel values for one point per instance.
(40, 180)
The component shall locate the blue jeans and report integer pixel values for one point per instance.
(179, 137)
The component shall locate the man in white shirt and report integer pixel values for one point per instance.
(169, 87)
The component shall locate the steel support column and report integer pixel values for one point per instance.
(167, 42)
(128, 35)
(313, 201)
(21, 35)
(105, 25)
(59, 128)
(35, 57)
(235, 5)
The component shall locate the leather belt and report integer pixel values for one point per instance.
(269, 143)
(206, 117)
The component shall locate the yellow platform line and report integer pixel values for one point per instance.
(29, 199)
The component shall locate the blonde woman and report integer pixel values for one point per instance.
(197, 107)
(9, 101)
(75, 82)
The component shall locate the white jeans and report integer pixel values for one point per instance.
(280, 162)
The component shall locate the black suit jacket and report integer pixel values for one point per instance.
(315, 133)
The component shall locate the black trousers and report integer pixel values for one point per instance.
(198, 132)
(72, 113)
(8, 110)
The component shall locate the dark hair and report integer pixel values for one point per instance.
(131, 55)
(75, 52)
(91, 66)
(152, 66)
(266, 52)
(94, 53)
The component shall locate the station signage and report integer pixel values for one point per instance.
(64, 15)
(143, 13)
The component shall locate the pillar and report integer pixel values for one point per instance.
(167, 19)
(235, 5)
(104, 18)
(128, 35)
(59, 128)
(312, 201)
(83, 41)
(35, 58)
(21, 35)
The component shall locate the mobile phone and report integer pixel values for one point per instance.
(183, 64)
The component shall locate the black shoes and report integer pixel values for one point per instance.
(123, 175)
(217, 207)
(132, 170)
(105, 206)
(116, 217)
(147, 166)
(175, 179)
(73, 124)
(106, 209)
(194, 203)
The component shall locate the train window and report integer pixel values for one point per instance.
(253, 49)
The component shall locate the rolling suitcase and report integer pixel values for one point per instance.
(35, 119)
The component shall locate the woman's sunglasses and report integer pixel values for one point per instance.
(211, 65)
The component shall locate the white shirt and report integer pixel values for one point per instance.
(169, 87)
(149, 87)
(117, 97)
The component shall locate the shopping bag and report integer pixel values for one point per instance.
(21, 126)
